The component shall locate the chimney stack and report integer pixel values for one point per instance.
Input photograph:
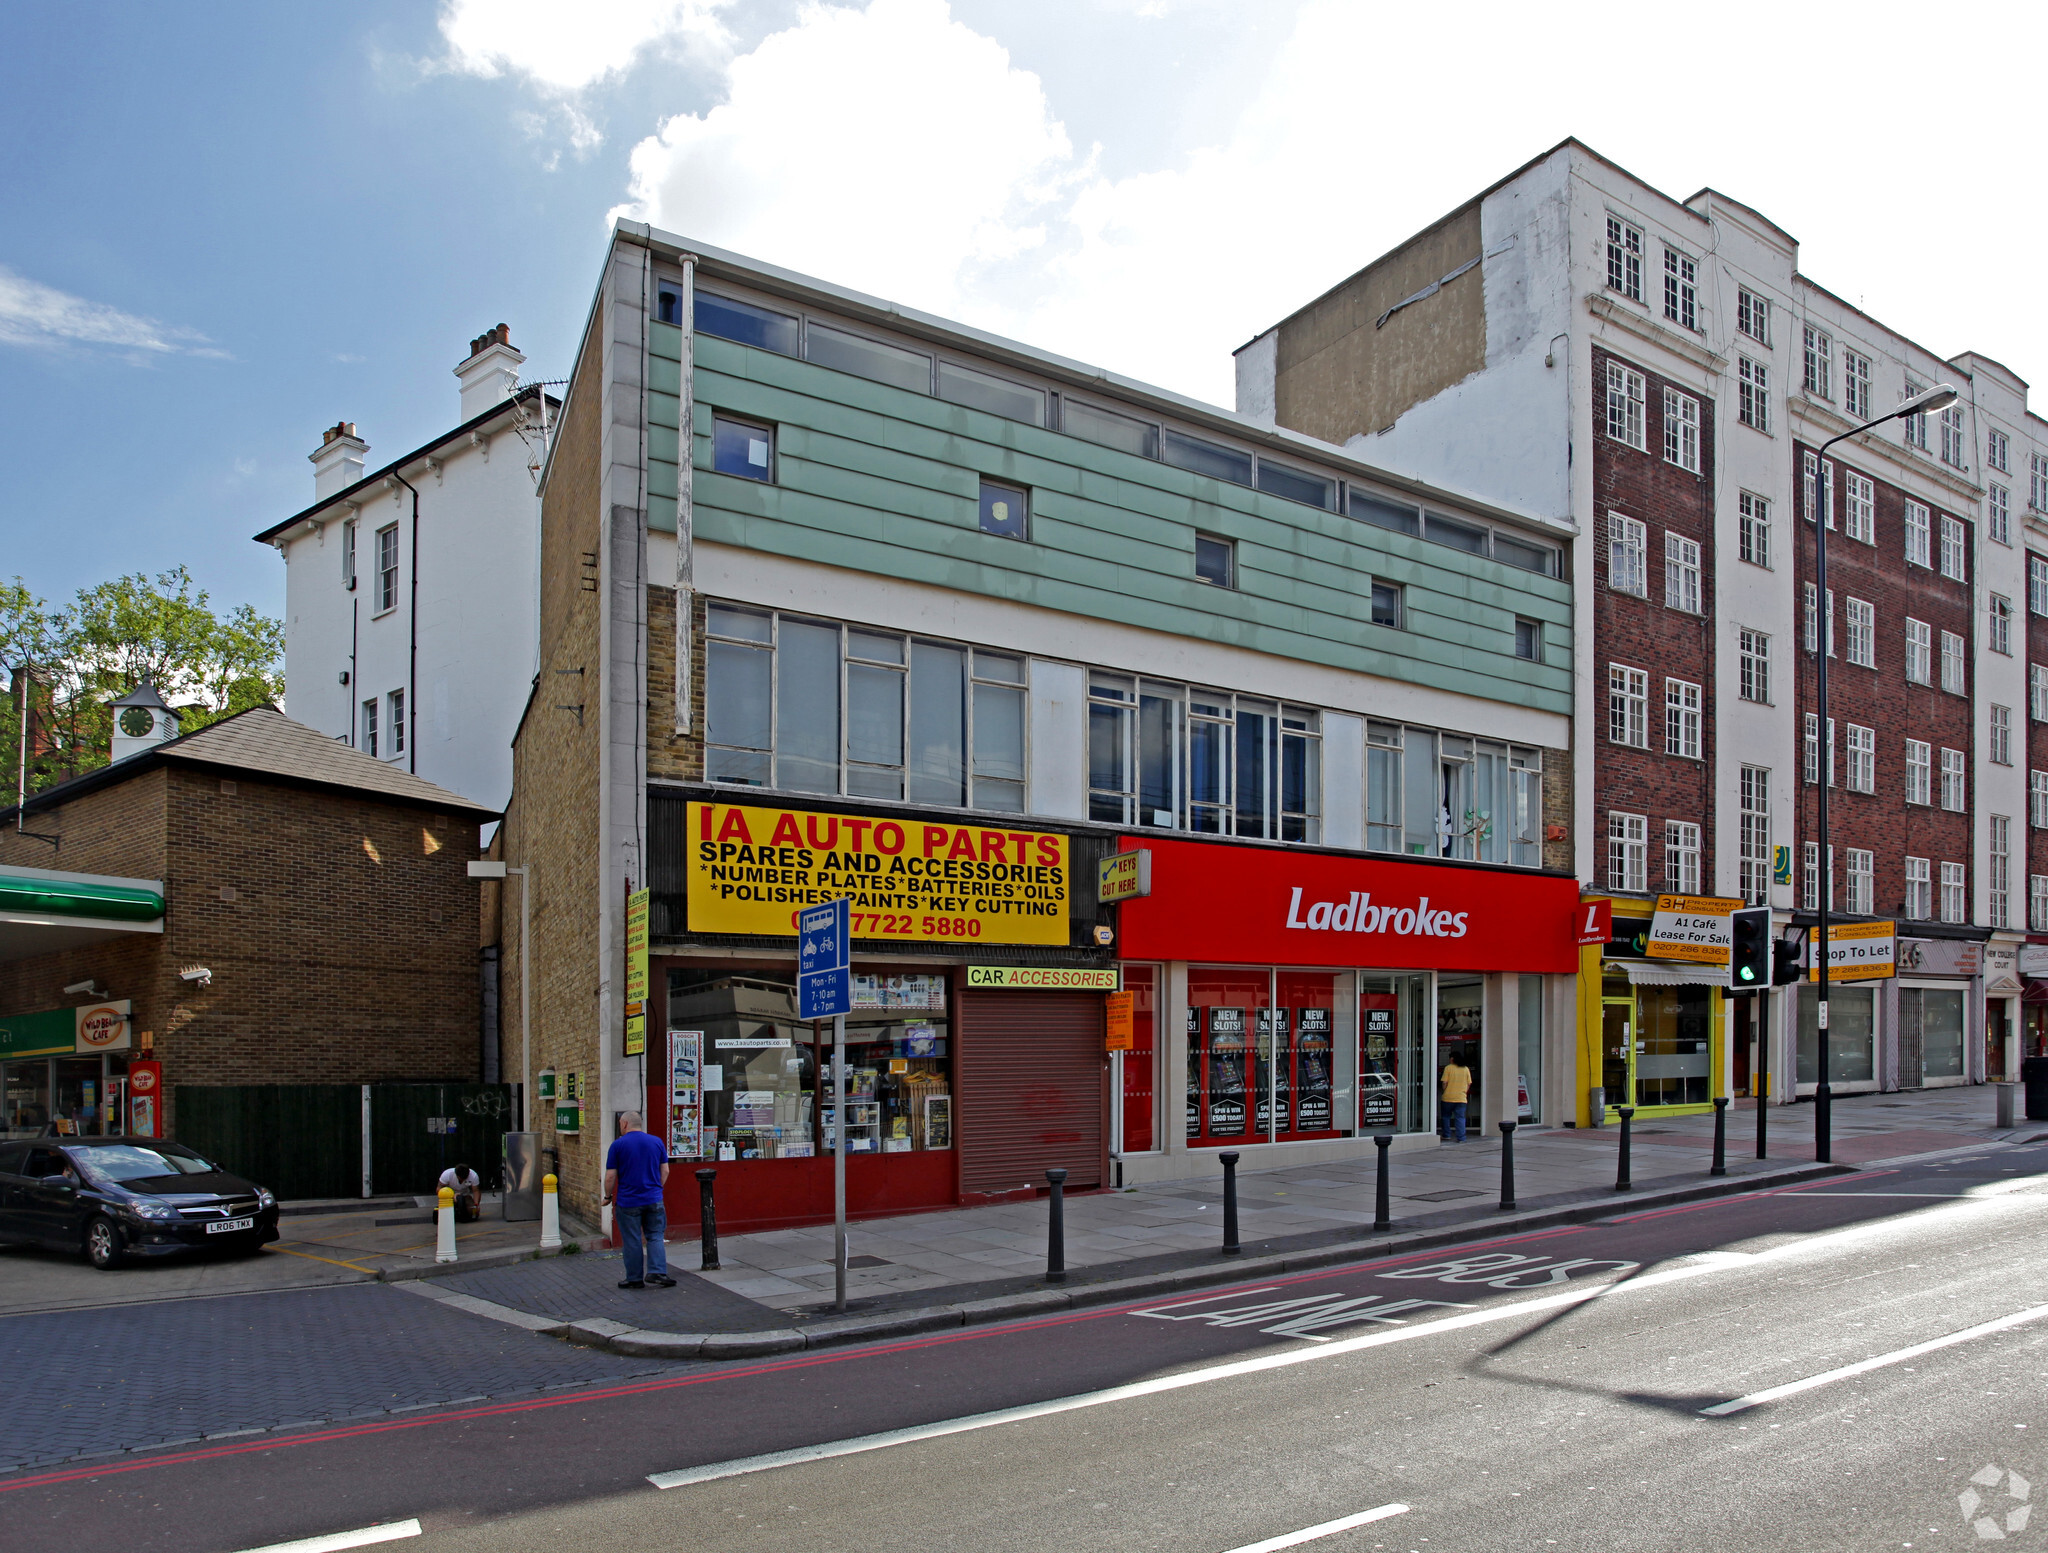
(338, 461)
(490, 372)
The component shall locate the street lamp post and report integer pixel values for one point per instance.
(1939, 397)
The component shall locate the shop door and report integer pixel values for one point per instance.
(1032, 1091)
(1617, 1050)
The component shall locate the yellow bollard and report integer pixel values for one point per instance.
(444, 1232)
(550, 1215)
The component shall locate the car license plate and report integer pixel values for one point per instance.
(229, 1226)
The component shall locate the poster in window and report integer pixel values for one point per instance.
(685, 1093)
(1314, 1033)
(1194, 1043)
(938, 1121)
(1226, 1071)
(1272, 1077)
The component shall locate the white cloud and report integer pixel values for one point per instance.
(38, 315)
(566, 48)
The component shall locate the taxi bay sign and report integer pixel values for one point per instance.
(1692, 927)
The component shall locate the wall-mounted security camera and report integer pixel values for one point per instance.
(197, 973)
(87, 988)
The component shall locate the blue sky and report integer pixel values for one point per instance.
(225, 227)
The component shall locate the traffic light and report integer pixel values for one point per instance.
(1749, 958)
(1785, 966)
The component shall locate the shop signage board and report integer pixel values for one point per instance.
(752, 870)
(1694, 928)
(1858, 951)
(636, 973)
(1939, 957)
(824, 975)
(2034, 960)
(145, 1084)
(1244, 904)
(1781, 865)
(1124, 876)
(57, 1032)
(1596, 922)
(1119, 1010)
(1045, 978)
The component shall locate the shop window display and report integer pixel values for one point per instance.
(1673, 1053)
(1851, 1027)
(1396, 1090)
(1270, 1056)
(1459, 1020)
(1141, 981)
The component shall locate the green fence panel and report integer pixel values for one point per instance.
(300, 1140)
(419, 1130)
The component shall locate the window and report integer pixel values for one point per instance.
(995, 395)
(369, 736)
(1755, 862)
(1184, 758)
(348, 556)
(1862, 881)
(2000, 730)
(1681, 290)
(1862, 618)
(1468, 537)
(1755, 650)
(1953, 677)
(1297, 485)
(1955, 904)
(1819, 363)
(2037, 481)
(2037, 584)
(1856, 385)
(1624, 259)
(1753, 539)
(1809, 877)
(1919, 771)
(2037, 799)
(1919, 890)
(1955, 549)
(1106, 428)
(1682, 719)
(1416, 779)
(743, 448)
(1215, 561)
(743, 323)
(1817, 487)
(1862, 774)
(1681, 573)
(2000, 637)
(1199, 456)
(1998, 513)
(1999, 885)
(1919, 652)
(1005, 510)
(820, 707)
(1681, 857)
(1628, 544)
(1753, 394)
(2037, 902)
(395, 704)
(1387, 604)
(1952, 444)
(1529, 639)
(387, 568)
(872, 359)
(1753, 315)
(1998, 451)
(1520, 553)
(1628, 852)
(1859, 507)
(1682, 430)
(1628, 706)
(1919, 525)
(1809, 622)
(1625, 391)
(1914, 426)
(668, 306)
(1809, 751)
(2037, 692)
(1381, 513)
(1952, 784)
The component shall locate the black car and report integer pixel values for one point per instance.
(113, 1198)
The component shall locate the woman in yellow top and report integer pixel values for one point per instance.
(1457, 1084)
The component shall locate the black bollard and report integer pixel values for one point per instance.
(1056, 1229)
(1382, 1211)
(1230, 1246)
(1720, 1136)
(1507, 1167)
(707, 1220)
(1621, 1181)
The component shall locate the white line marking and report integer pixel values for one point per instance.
(391, 1531)
(1743, 1404)
(1327, 1529)
(1943, 1196)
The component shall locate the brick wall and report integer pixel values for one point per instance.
(671, 756)
(1644, 633)
(2033, 633)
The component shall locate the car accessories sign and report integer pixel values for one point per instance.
(751, 870)
(1045, 978)
(1693, 927)
(1858, 951)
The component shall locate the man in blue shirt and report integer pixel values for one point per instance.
(635, 1171)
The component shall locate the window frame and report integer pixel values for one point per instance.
(387, 569)
(1682, 573)
(1681, 289)
(1860, 623)
(1624, 257)
(1920, 773)
(1628, 706)
(1628, 538)
(721, 421)
(1627, 406)
(1228, 547)
(1955, 781)
(1753, 649)
(1753, 394)
(1817, 354)
(1998, 733)
(1999, 618)
(1860, 773)
(991, 488)
(1682, 430)
(1682, 857)
(1683, 722)
(1859, 506)
(1919, 652)
(1753, 533)
(1856, 385)
(1628, 852)
(1753, 315)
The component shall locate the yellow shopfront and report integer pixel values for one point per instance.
(1652, 1033)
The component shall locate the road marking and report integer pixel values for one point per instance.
(1828, 1377)
(1941, 1196)
(1327, 1529)
(330, 1261)
(392, 1531)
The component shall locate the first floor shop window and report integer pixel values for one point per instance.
(1755, 861)
(1862, 759)
(2037, 903)
(1682, 719)
(1919, 771)
(1862, 880)
(1681, 857)
(1184, 758)
(369, 744)
(1955, 904)
(1999, 885)
(1434, 794)
(1919, 890)
(821, 707)
(1628, 852)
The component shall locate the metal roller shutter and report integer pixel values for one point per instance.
(1029, 1071)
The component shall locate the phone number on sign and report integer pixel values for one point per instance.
(883, 924)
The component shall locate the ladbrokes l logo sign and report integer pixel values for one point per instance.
(1358, 914)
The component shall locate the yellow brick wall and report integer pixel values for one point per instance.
(671, 756)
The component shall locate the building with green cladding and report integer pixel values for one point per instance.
(1155, 751)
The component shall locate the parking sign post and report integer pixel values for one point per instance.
(824, 986)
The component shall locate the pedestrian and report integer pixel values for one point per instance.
(1457, 1084)
(635, 1171)
(468, 1188)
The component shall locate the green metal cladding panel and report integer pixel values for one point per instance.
(885, 481)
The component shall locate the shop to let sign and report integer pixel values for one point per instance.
(1043, 978)
(751, 870)
(1692, 927)
(1858, 951)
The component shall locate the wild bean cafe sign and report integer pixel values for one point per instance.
(1696, 928)
(90, 1028)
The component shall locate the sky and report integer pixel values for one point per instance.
(225, 227)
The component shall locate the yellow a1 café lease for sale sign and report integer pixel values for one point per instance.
(1692, 927)
(752, 869)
